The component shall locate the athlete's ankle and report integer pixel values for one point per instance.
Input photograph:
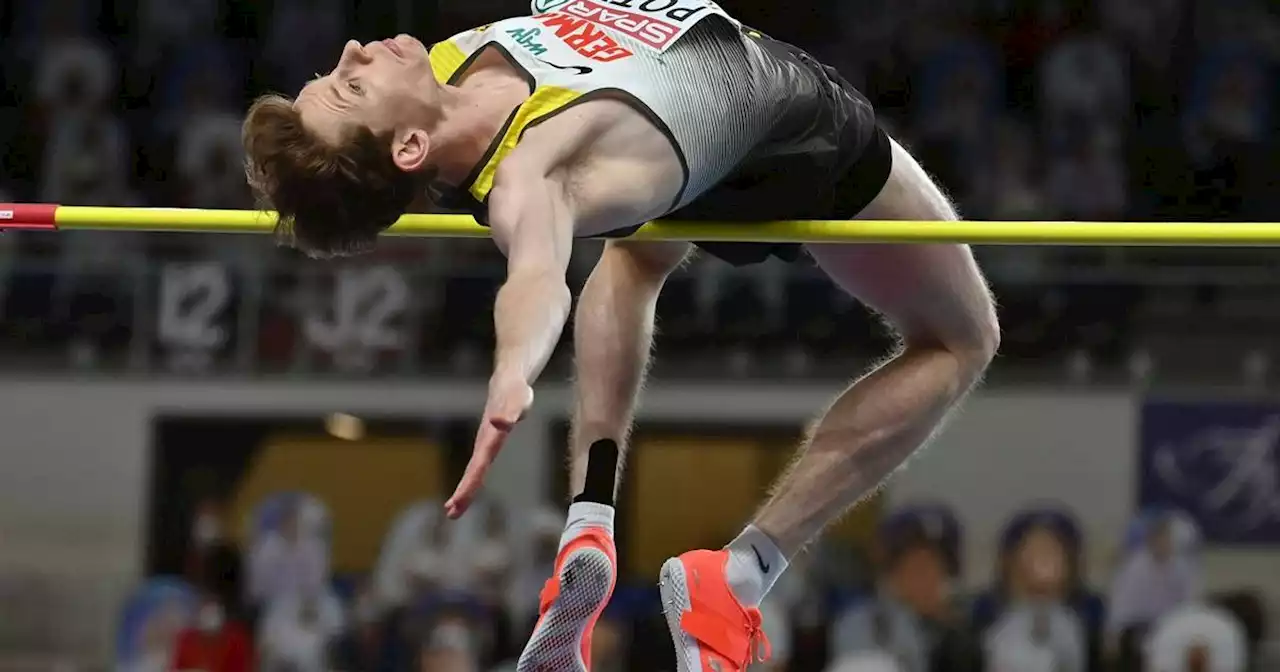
(593, 507)
(584, 516)
(755, 563)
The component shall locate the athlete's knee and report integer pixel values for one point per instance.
(981, 339)
(972, 337)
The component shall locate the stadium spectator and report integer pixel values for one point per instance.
(535, 565)
(492, 559)
(450, 647)
(289, 560)
(1155, 579)
(364, 644)
(297, 633)
(1044, 637)
(1041, 583)
(912, 617)
(1198, 638)
(207, 532)
(214, 643)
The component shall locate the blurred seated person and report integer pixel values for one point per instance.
(544, 526)
(1044, 637)
(215, 642)
(484, 625)
(1158, 575)
(297, 632)
(1197, 638)
(207, 532)
(1249, 607)
(1041, 561)
(912, 617)
(450, 646)
(150, 625)
(364, 645)
(288, 560)
(775, 620)
(610, 646)
(867, 661)
(409, 532)
(490, 563)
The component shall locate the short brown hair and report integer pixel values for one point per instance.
(333, 199)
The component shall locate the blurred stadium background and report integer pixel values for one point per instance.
(196, 421)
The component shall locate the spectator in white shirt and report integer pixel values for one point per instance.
(297, 631)
(1045, 637)
(1155, 580)
(288, 561)
(1197, 638)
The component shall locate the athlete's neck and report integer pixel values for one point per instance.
(472, 116)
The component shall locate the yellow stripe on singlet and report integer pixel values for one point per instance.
(446, 58)
(546, 100)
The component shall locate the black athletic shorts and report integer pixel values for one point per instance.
(826, 158)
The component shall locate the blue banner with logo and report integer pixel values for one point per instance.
(1218, 461)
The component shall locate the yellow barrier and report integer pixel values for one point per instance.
(457, 226)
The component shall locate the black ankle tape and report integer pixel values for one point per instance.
(602, 473)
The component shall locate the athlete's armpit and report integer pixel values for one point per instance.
(614, 167)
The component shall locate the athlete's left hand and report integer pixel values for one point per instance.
(509, 399)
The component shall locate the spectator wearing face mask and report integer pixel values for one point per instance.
(215, 643)
(1040, 582)
(208, 537)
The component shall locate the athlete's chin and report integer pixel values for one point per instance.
(416, 47)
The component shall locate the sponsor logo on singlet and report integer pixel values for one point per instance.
(528, 38)
(585, 37)
(655, 23)
(543, 6)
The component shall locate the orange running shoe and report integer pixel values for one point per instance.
(712, 630)
(572, 601)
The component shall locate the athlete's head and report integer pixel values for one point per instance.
(348, 156)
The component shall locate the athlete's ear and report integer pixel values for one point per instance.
(409, 150)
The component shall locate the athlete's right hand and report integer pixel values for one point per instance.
(509, 399)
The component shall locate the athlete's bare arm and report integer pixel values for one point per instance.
(596, 167)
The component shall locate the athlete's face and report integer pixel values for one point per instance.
(387, 86)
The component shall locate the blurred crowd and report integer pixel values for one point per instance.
(1053, 109)
(461, 597)
(1024, 109)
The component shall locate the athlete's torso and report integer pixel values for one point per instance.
(745, 114)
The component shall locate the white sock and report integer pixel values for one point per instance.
(583, 515)
(755, 563)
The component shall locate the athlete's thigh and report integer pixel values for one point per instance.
(652, 258)
(933, 292)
